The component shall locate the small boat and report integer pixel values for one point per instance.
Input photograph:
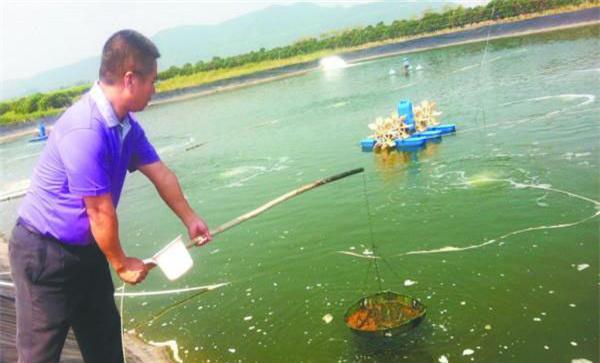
(41, 135)
(39, 138)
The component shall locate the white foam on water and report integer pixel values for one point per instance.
(582, 266)
(589, 98)
(581, 360)
(448, 249)
(459, 249)
(547, 187)
(171, 344)
(443, 359)
(516, 185)
(571, 156)
(171, 292)
(409, 282)
(495, 59)
(354, 254)
(241, 170)
(15, 187)
(245, 173)
(468, 352)
(466, 68)
(539, 202)
(596, 70)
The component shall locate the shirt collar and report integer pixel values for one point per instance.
(105, 108)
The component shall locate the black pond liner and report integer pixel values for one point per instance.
(384, 314)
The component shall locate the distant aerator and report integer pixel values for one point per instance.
(333, 62)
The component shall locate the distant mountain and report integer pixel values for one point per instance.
(267, 28)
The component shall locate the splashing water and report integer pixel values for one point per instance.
(331, 63)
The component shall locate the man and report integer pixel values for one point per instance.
(67, 227)
(406, 64)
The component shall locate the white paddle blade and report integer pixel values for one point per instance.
(174, 259)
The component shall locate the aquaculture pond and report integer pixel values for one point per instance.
(495, 229)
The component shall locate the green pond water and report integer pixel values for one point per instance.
(495, 229)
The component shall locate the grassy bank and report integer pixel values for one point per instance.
(41, 105)
(199, 78)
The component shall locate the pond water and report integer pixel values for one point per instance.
(495, 229)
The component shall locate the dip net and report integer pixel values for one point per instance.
(384, 312)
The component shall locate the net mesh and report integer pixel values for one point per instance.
(384, 311)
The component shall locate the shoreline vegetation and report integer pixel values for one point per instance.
(265, 65)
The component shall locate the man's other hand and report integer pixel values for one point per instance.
(133, 271)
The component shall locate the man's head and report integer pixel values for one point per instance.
(129, 68)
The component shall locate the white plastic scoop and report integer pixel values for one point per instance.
(174, 259)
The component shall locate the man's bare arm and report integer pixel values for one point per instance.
(168, 187)
(105, 229)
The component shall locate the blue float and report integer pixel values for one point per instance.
(367, 144)
(410, 143)
(429, 134)
(445, 129)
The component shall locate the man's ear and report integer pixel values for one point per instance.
(128, 79)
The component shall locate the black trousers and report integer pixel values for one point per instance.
(60, 286)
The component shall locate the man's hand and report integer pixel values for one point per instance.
(132, 271)
(198, 229)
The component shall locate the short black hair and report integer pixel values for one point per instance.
(127, 50)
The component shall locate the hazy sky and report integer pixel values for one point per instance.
(39, 35)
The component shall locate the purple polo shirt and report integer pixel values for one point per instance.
(88, 153)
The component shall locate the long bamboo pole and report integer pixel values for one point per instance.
(273, 203)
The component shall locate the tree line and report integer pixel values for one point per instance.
(30, 107)
(430, 22)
